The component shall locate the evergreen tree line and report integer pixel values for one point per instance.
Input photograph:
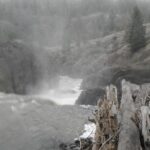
(63, 21)
(136, 31)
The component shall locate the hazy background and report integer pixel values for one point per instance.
(66, 51)
(61, 22)
(43, 40)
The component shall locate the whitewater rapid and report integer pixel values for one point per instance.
(66, 92)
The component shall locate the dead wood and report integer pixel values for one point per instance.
(124, 126)
(106, 121)
(129, 138)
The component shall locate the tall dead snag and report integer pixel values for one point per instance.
(106, 122)
(129, 138)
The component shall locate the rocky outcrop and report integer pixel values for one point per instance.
(90, 96)
(111, 61)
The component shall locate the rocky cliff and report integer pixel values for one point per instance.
(110, 60)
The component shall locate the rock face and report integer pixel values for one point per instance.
(28, 123)
(90, 96)
(110, 61)
(18, 68)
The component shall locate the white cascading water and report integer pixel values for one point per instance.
(66, 93)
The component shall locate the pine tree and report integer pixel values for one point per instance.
(135, 34)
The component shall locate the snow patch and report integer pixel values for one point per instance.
(85, 106)
(89, 131)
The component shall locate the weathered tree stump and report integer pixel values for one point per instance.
(106, 121)
(129, 137)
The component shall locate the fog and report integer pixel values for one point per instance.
(60, 35)
(59, 22)
(67, 66)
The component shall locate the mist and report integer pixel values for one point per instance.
(65, 38)
(74, 74)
